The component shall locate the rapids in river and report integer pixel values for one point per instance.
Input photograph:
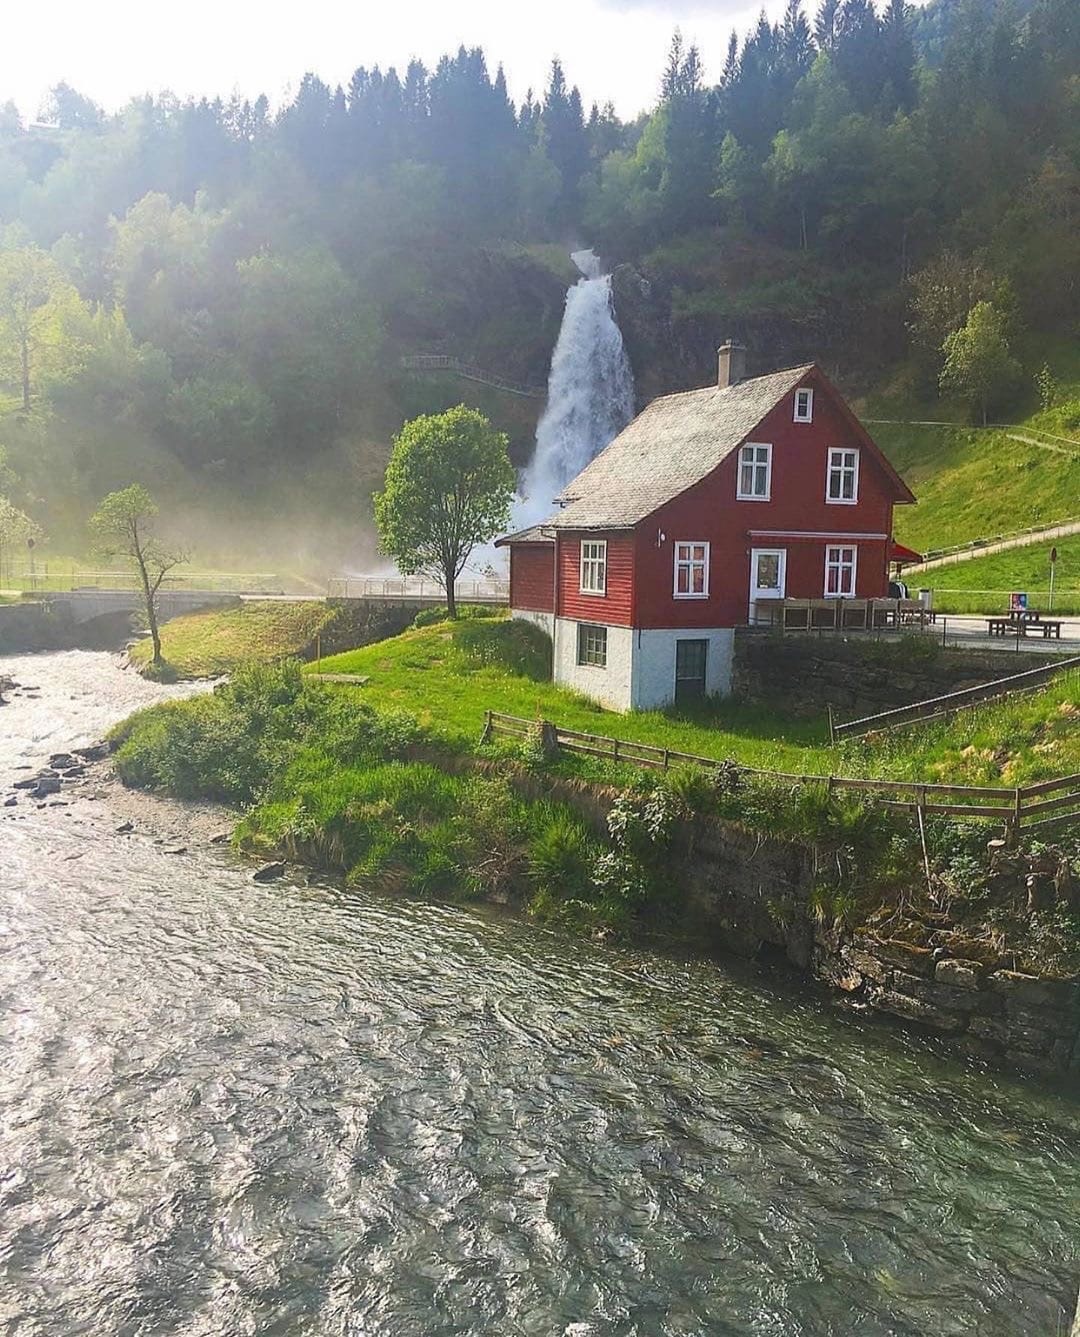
(230, 1108)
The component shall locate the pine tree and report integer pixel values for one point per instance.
(825, 25)
(898, 56)
(796, 44)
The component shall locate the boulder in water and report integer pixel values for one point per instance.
(268, 872)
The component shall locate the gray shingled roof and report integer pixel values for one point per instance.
(671, 445)
(534, 534)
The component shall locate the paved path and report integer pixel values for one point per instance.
(970, 631)
(1060, 531)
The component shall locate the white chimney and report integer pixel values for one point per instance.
(732, 364)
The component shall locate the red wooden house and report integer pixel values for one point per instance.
(707, 502)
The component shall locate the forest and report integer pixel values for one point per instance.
(214, 298)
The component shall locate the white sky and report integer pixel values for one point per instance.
(112, 50)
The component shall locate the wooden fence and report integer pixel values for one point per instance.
(936, 707)
(1021, 808)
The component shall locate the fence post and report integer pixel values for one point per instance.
(832, 727)
(1013, 836)
(487, 727)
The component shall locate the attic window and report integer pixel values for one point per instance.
(755, 473)
(804, 405)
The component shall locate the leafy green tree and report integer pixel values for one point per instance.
(448, 488)
(978, 365)
(123, 526)
(29, 281)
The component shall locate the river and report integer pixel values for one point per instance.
(230, 1108)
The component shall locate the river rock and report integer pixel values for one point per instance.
(47, 784)
(124, 828)
(268, 872)
(98, 752)
(25, 784)
(960, 974)
(10, 802)
(61, 760)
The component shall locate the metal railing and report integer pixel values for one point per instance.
(419, 588)
(469, 372)
(60, 577)
(937, 707)
(1013, 807)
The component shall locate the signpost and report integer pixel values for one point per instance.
(1053, 564)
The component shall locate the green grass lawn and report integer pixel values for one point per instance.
(984, 583)
(204, 645)
(424, 673)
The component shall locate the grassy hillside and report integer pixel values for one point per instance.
(976, 483)
(973, 484)
(984, 582)
(446, 679)
(204, 645)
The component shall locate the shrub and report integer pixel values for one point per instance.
(560, 858)
(510, 643)
(428, 617)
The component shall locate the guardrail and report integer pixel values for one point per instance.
(417, 587)
(1014, 808)
(63, 577)
(937, 707)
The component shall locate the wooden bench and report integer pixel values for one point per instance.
(1005, 626)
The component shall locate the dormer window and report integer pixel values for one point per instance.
(804, 405)
(755, 473)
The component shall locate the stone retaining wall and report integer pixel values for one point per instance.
(803, 674)
(1024, 1021)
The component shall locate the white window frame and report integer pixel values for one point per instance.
(837, 465)
(583, 629)
(841, 564)
(690, 562)
(808, 416)
(595, 563)
(755, 464)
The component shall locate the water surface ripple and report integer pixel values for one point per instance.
(234, 1109)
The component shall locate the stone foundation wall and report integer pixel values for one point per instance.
(1022, 1021)
(802, 674)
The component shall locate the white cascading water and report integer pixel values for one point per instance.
(590, 392)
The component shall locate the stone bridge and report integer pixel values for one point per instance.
(86, 604)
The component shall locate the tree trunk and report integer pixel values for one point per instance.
(25, 376)
(449, 582)
(151, 612)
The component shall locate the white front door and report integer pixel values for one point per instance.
(768, 577)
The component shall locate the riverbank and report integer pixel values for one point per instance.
(984, 951)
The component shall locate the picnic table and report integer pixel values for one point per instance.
(1019, 622)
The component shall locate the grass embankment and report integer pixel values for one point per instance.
(341, 778)
(984, 583)
(975, 484)
(208, 644)
(447, 677)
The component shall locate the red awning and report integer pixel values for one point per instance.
(899, 553)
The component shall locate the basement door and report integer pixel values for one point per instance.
(768, 576)
(691, 657)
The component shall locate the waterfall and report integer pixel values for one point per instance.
(590, 392)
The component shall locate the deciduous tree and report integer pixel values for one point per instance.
(124, 527)
(978, 365)
(448, 488)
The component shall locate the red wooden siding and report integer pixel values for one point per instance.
(709, 511)
(532, 576)
(616, 605)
